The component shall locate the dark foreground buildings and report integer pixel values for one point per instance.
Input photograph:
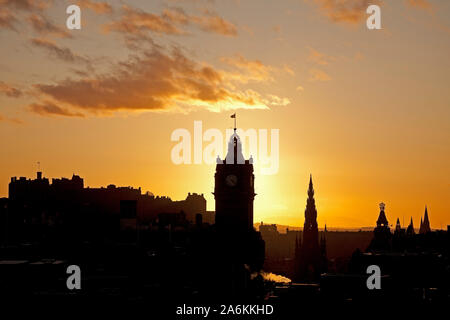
(36, 206)
(132, 248)
(141, 250)
(47, 196)
(414, 267)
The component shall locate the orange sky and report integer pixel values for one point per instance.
(367, 112)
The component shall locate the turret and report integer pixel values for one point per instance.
(382, 220)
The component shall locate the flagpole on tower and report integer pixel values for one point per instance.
(234, 117)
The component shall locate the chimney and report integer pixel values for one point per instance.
(39, 175)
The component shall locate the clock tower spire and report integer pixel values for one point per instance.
(234, 190)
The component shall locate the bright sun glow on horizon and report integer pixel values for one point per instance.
(366, 112)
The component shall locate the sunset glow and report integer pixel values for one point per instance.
(367, 113)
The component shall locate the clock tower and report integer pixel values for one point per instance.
(234, 189)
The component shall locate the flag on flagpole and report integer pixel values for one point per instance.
(233, 115)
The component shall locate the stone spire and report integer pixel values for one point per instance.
(410, 230)
(425, 225)
(310, 258)
(398, 227)
(310, 211)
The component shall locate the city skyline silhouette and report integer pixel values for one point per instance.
(225, 159)
(365, 111)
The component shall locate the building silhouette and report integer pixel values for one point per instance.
(382, 235)
(323, 250)
(425, 224)
(170, 252)
(310, 259)
(234, 193)
(234, 189)
(414, 267)
(410, 230)
(66, 204)
(398, 226)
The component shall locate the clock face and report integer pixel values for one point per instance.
(231, 180)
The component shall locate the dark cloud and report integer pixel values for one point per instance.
(11, 120)
(42, 25)
(13, 12)
(9, 90)
(100, 7)
(7, 19)
(420, 4)
(156, 81)
(249, 70)
(62, 53)
(26, 5)
(172, 21)
(51, 109)
(319, 57)
(211, 22)
(137, 22)
(346, 11)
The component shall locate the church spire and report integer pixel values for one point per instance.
(311, 188)
(410, 230)
(310, 261)
(425, 225)
(398, 226)
(310, 211)
(425, 219)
